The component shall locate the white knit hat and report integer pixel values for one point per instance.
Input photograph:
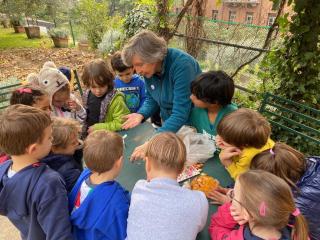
(49, 79)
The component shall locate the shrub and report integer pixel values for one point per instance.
(111, 42)
(58, 33)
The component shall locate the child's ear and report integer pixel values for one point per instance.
(31, 148)
(119, 162)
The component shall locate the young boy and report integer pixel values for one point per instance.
(32, 195)
(65, 133)
(212, 93)
(98, 204)
(241, 135)
(128, 83)
(160, 208)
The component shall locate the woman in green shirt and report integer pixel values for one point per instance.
(212, 93)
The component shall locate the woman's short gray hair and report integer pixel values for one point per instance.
(147, 45)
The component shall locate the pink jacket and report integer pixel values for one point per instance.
(223, 226)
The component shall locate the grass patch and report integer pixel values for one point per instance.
(9, 39)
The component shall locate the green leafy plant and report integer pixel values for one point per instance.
(58, 33)
(111, 42)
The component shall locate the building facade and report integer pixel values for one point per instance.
(255, 12)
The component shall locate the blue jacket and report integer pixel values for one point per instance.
(66, 166)
(103, 214)
(134, 92)
(35, 201)
(308, 199)
(171, 90)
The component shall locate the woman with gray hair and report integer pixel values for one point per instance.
(168, 74)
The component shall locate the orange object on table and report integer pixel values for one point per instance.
(204, 183)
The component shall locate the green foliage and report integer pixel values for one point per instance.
(139, 18)
(111, 42)
(296, 62)
(8, 40)
(58, 33)
(93, 18)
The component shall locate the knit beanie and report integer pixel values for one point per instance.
(49, 79)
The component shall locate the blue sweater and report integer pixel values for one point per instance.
(134, 91)
(103, 214)
(171, 90)
(35, 201)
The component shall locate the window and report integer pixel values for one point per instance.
(271, 19)
(249, 18)
(232, 16)
(215, 14)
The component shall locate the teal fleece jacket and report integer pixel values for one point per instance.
(170, 90)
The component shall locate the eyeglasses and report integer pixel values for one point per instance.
(231, 196)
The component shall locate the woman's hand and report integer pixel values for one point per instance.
(219, 196)
(139, 152)
(132, 120)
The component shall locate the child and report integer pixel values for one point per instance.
(65, 141)
(212, 93)
(242, 134)
(128, 83)
(160, 208)
(105, 105)
(303, 175)
(63, 103)
(31, 96)
(98, 203)
(262, 204)
(32, 195)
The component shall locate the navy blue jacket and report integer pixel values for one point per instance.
(35, 201)
(66, 166)
(308, 199)
(103, 213)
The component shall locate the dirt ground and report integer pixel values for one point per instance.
(18, 63)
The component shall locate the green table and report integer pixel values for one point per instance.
(132, 172)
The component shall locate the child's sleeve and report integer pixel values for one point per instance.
(142, 93)
(222, 225)
(240, 165)
(53, 214)
(117, 110)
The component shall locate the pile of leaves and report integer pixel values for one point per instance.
(18, 63)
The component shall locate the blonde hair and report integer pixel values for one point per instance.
(63, 129)
(244, 128)
(282, 161)
(167, 151)
(147, 45)
(275, 194)
(101, 150)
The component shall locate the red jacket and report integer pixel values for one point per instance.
(223, 226)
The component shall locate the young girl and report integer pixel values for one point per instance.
(31, 96)
(105, 105)
(212, 93)
(65, 134)
(262, 207)
(302, 174)
(63, 103)
(242, 134)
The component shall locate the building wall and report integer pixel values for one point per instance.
(259, 11)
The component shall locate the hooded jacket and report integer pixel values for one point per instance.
(103, 213)
(308, 198)
(66, 166)
(35, 201)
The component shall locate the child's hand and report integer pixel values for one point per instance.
(227, 154)
(139, 152)
(73, 105)
(237, 216)
(90, 130)
(219, 196)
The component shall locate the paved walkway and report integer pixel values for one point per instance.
(7, 230)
